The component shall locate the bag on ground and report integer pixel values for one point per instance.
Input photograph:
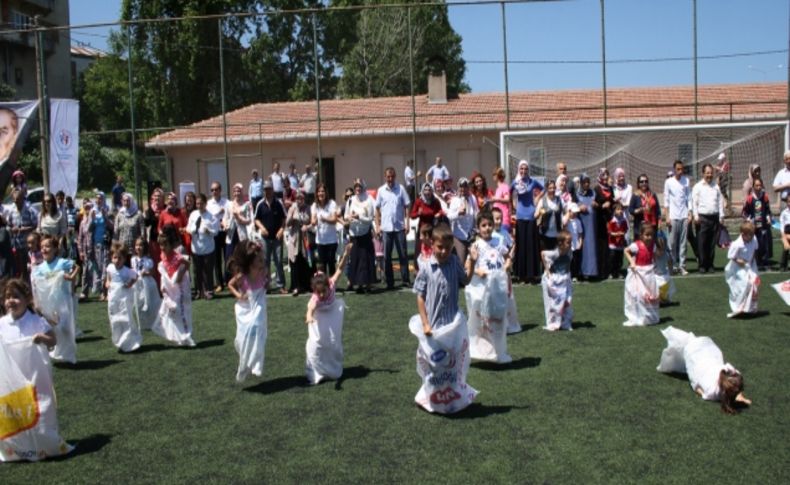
(324, 347)
(672, 359)
(485, 300)
(783, 289)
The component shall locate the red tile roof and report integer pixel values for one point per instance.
(486, 111)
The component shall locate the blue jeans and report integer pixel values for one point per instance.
(273, 247)
(397, 238)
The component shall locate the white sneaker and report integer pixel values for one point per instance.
(730, 315)
(683, 271)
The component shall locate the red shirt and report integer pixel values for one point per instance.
(425, 212)
(644, 257)
(621, 226)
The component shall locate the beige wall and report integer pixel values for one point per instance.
(354, 157)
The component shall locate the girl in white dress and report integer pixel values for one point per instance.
(174, 322)
(709, 376)
(248, 286)
(120, 300)
(557, 284)
(741, 272)
(146, 293)
(641, 290)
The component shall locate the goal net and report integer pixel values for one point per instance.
(650, 150)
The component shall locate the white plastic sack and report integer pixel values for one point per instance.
(487, 336)
(147, 301)
(672, 359)
(251, 333)
(443, 364)
(28, 418)
(557, 299)
(512, 315)
(53, 296)
(174, 321)
(641, 297)
(494, 303)
(324, 345)
(124, 330)
(783, 289)
(744, 285)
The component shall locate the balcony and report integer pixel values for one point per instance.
(44, 6)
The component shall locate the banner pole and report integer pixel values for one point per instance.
(43, 106)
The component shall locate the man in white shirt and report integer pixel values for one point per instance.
(307, 184)
(220, 208)
(677, 210)
(255, 190)
(410, 179)
(782, 179)
(293, 177)
(437, 172)
(277, 181)
(707, 205)
(392, 221)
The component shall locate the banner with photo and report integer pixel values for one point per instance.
(64, 119)
(16, 120)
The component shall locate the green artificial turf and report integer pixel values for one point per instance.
(575, 407)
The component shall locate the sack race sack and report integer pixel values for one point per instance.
(641, 297)
(744, 285)
(174, 322)
(54, 299)
(146, 302)
(443, 364)
(557, 299)
(783, 289)
(123, 325)
(324, 347)
(28, 421)
(511, 318)
(672, 359)
(487, 303)
(251, 333)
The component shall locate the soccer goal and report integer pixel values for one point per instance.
(649, 150)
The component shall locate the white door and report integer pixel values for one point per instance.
(215, 172)
(468, 163)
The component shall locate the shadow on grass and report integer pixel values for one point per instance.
(752, 316)
(85, 446)
(279, 384)
(358, 372)
(665, 320)
(522, 363)
(205, 344)
(578, 325)
(667, 304)
(92, 338)
(477, 410)
(677, 375)
(87, 364)
(527, 327)
(144, 349)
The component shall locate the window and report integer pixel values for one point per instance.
(20, 20)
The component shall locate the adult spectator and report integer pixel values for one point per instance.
(483, 195)
(293, 177)
(19, 181)
(755, 172)
(190, 205)
(255, 189)
(324, 217)
(174, 216)
(707, 205)
(562, 170)
(604, 200)
(297, 242)
(307, 184)
(392, 221)
(427, 209)
(85, 248)
(501, 198)
(411, 179)
(289, 194)
(242, 215)
(566, 196)
(219, 207)
(723, 169)
(525, 192)
(677, 214)
(782, 179)
(622, 189)
(437, 172)
(21, 220)
(128, 222)
(151, 224)
(100, 228)
(277, 181)
(52, 221)
(588, 213)
(644, 206)
(117, 192)
(6, 253)
(549, 216)
(270, 221)
(359, 213)
(462, 213)
(202, 227)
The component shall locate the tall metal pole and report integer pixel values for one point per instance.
(222, 101)
(413, 102)
(317, 98)
(43, 105)
(138, 189)
(696, 85)
(603, 62)
(788, 69)
(504, 51)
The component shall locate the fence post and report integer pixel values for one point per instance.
(504, 52)
(43, 105)
(413, 103)
(138, 189)
(317, 99)
(222, 102)
(603, 63)
(696, 81)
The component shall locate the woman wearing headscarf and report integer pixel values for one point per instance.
(297, 243)
(755, 172)
(622, 189)
(359, 213)
(564, 192)
(173, 216)
(128, 222)
(644, 206)
(525, 193)
(100, 228)
(19, 181)
(588, 212)
(604, 200)
(549, 213)
(241, 216)
(428, 209)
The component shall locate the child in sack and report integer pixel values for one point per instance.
(174, 322)
(641, 290)
(324, 319)
(487, 295)
(120, 279)
(440, 327)
(617, 228)
(741, 272)
(501, 236)
(146, 293)
(663, 268)
(557, 285)
(248, 286)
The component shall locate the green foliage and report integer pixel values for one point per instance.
(99, 165)
(7, 93)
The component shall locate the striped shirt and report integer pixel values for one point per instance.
(438, 284)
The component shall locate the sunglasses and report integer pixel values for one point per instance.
(642, 181)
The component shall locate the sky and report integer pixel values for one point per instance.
(557, 45)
